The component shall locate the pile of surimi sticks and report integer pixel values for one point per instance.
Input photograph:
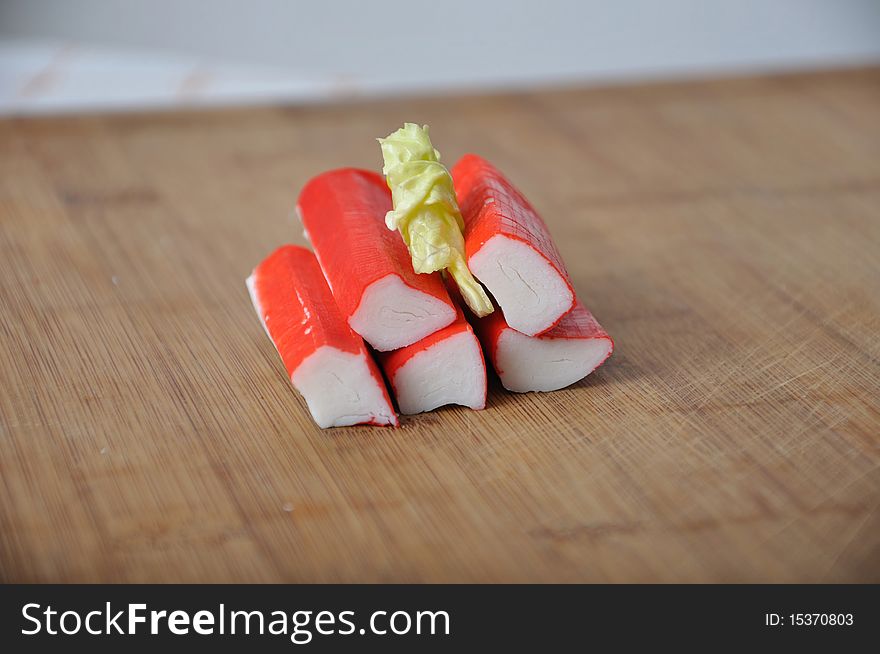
(466, 232)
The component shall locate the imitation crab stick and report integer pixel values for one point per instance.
(368, 266)
(327, 362)
(570, 351)
(510, 250)
(446, 367)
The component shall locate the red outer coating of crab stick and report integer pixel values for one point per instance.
(531, 285)
(301, 318)
(368, 266)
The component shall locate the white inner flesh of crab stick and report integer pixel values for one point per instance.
(340, 390)
(529, 289)
(570, 351)
(392, 314)
(451, 371)
(527, 363)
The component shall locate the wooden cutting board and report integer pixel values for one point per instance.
(726, 233)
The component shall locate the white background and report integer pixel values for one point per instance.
(74, 54)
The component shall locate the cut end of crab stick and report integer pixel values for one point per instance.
(447, 367)
(509, 248)
(368, 266)
(392, 314)
(341, 389)
(326, 361)
(531, 292)
(556, 359)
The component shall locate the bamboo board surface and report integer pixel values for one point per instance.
(726, 233)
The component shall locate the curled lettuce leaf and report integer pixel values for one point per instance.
(426, 212)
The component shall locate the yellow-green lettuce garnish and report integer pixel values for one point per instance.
(426, 212)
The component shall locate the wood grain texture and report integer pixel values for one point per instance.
(726, 233)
